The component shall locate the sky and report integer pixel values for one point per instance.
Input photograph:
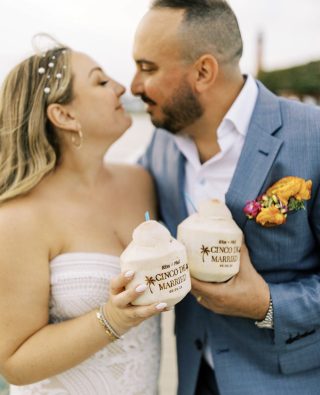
(104, 29)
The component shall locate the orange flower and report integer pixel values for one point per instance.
(270, 216)
(288, 187)
(305, 191)
(285, 196)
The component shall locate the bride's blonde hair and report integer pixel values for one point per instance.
(29, 147)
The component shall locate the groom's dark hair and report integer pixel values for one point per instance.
(208, 26)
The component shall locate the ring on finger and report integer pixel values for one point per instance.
(199, 298)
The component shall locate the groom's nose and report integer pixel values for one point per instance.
(137, 85)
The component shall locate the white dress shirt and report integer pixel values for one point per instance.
(211, 180)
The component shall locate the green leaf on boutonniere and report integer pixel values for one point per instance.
(295, 205)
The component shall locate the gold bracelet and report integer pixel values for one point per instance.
(106, 324)
(106, 329)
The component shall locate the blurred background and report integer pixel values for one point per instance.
(281, 47)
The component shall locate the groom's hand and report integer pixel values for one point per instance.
(244, 295)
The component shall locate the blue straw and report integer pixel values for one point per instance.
(190, 201)
(147, 216)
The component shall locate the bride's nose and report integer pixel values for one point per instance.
(119, 89)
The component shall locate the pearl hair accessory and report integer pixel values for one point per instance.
(51, 64)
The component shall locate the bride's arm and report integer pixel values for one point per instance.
(30, 348)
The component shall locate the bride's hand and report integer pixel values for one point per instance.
(119, 311)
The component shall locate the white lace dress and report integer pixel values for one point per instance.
(130, 366)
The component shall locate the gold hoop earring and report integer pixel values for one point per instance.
(77, 139)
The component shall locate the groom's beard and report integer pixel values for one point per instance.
(180, 111)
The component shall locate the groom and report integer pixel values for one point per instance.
(223, 135)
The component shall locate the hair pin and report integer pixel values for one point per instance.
(50, 72)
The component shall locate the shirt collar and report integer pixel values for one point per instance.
(242, 108)
(237, 118)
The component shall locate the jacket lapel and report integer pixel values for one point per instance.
(258, 154)
(169, 175)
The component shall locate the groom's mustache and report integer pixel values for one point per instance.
(146, 99)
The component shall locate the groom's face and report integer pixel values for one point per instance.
(163, 78)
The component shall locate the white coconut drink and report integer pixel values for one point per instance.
(160, 262)
(213, 241)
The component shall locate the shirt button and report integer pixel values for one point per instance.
(202, 181)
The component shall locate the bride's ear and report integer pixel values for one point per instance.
(61, 118)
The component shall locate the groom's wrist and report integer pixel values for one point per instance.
(267, 321)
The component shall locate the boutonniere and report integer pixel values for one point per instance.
(271, 208)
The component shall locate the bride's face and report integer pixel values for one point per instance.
(96, 104)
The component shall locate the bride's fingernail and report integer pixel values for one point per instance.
(141, 288)
(161, 306)
(129, 273)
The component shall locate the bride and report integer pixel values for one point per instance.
(67, 324)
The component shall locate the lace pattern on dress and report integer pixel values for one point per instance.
(129, 366)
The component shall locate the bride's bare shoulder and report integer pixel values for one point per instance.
(22, 224)
(20, 213)
(31, 210)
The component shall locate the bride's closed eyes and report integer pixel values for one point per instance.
(104, 82)
(100, 77)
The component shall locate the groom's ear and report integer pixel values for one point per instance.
(206, 71)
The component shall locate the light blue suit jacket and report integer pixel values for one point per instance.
(283, 140)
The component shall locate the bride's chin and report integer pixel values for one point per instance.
(126, 126)
(129, 119)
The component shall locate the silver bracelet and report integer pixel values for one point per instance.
(267, 322)
(107, 323)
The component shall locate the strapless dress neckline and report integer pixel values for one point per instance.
(72, 255)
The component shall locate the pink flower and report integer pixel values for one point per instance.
(252, 208)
